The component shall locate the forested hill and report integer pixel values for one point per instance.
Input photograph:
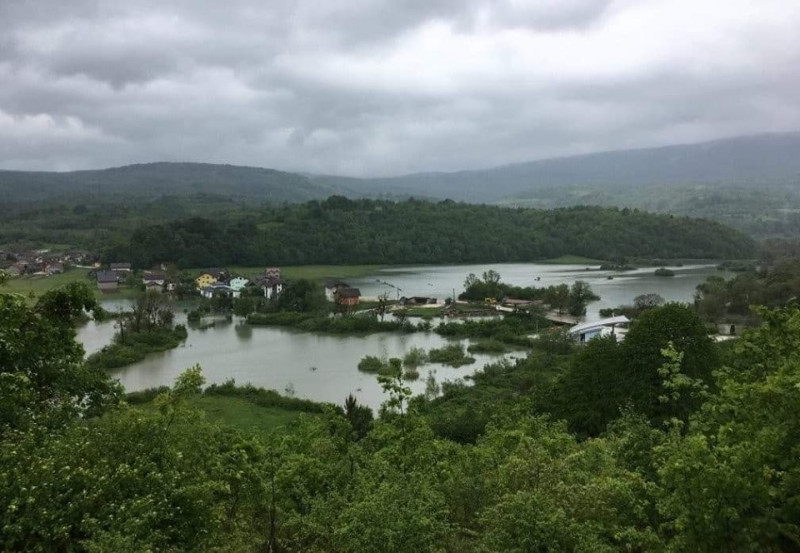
(153, 180)
(751, 183)
(342, 231)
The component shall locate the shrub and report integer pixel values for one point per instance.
(415, 357)
(371, 364)
(452, 355)
(411, 374)
(489, 345)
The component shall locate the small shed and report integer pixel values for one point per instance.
(153, 277)
(332, 287)
(106, 280)
(348, 296)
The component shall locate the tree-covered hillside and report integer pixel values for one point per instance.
(342, 231)
(152, 180)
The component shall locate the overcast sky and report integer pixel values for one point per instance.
(381, 87)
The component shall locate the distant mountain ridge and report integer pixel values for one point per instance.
(755, 159)
(153, 180)
(772, 159)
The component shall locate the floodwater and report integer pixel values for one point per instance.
(441, 281)
(323, 367)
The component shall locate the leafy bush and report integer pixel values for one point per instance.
(488, 345)
(452, 355)
(263, 397)
(371, 364)
(415, 357)
(557, 341)
(134, 347)
(145, 396)
(411, 374)
(355, 324)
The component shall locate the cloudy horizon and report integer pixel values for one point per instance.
(377, 87)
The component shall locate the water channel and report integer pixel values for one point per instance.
(323, 367)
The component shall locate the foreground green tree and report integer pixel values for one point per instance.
(607, 376)
(129, 481)
(42, 376)
(732, 482)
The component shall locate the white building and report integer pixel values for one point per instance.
(586, 331)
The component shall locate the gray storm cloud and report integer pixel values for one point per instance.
(380, 87)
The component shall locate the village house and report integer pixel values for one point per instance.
(332, 286)
(348, 297)
(238, 283)
(121, 270)
(205, 280)
(17, 269)
(153, 286)
(211, 276)
(154, 277)
(218, 289)
(54, 268)
(272, 272)
(77, 257)
(154, 280)
(272, 287)
(107, 280)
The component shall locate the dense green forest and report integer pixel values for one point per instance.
(693, 448)
(93, 223)
(343, 231)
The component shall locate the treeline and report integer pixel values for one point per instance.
(147, 328)
(721, 300)
(343, 231)
(561, 297)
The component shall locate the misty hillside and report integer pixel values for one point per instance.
(153, 180)
(744, 162)
(749, 160)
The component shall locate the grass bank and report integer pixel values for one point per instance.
(37, 285)
(246, 408)
(136, 346)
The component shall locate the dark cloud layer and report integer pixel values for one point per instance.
(384, 87)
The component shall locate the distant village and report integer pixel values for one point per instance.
(216, 282)
(44, 262)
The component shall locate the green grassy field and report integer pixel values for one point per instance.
(39, 284)
(241, 414)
